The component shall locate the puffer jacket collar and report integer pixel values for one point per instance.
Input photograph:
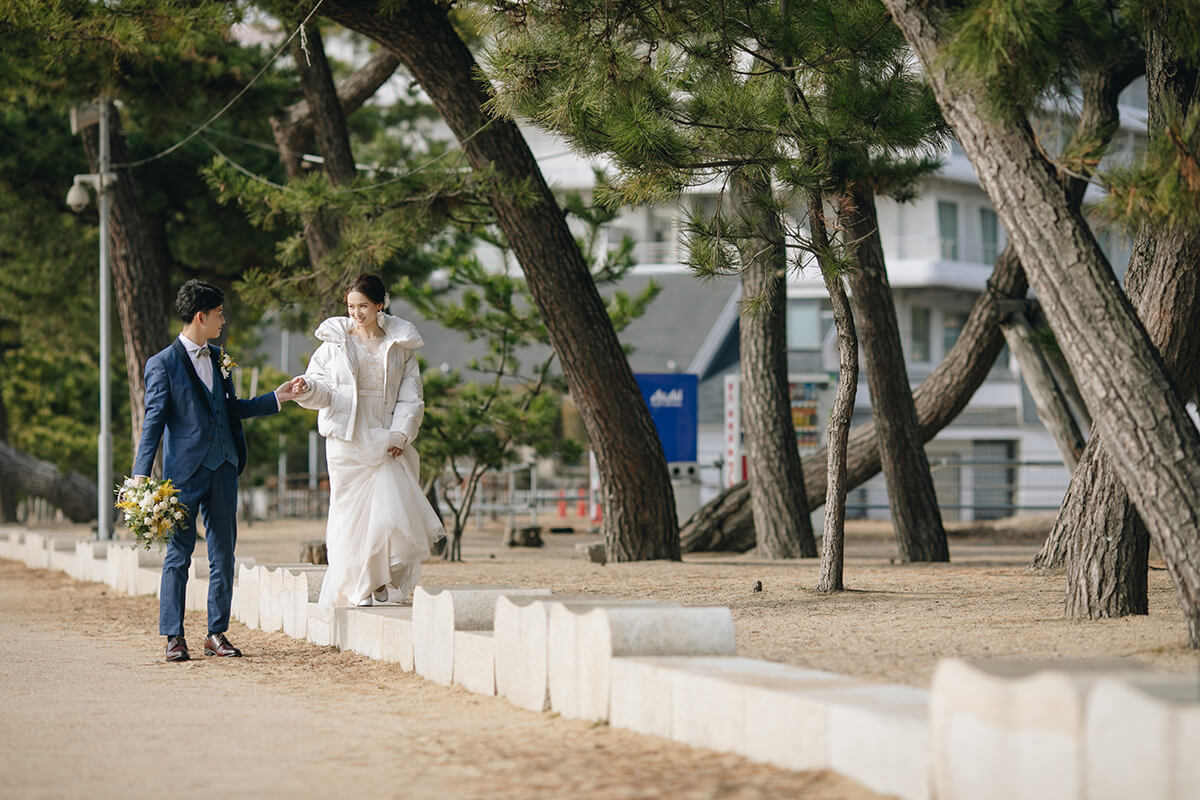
(395, 331)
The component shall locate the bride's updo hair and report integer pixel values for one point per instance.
(369, 285)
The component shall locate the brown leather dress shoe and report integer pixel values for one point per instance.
(177, 649)
(217, 645)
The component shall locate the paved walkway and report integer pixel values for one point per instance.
(90, 710)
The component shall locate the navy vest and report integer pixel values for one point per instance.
(221, 447)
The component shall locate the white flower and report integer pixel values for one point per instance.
(227, 363)
(174, 500)
(178, 515)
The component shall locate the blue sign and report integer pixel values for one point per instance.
(673, 400)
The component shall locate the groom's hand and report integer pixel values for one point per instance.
(292, 389)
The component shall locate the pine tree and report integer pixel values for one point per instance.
(969, 53)
(816, 94)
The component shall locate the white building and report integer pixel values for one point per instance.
(996, 458)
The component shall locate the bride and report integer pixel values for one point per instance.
(365, 382)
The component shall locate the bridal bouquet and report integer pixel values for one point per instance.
(152, 510)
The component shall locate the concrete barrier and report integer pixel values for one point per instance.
(779, 714)
(383, 632)
(1143, 739)
(36, 552)
(438, 612)
(522, 637)
(245, 595)
(271, 594)
(322, 625)
(10, 539)
(1014, 729)
(62, 553)
(300, 586)
(584, 640)
(89, 564)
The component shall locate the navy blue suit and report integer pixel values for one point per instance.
(204, 451)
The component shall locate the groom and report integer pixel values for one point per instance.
(191, 408)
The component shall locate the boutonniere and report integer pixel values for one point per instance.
(227, 363)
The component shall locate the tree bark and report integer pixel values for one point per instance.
(71, 493)
(140, 263)
(321, 119)
(916, 518)
(8, 494)
(939, 398)
(782, 526)
(1051, 403)
(1138, 411)
(1108, 551)
(637, 498)
(833, 543)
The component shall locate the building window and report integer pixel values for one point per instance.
(919, 350)
(952, 325)
(948, 229)
(989, 233)
(804, 325)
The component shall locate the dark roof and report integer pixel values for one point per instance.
(684, 324)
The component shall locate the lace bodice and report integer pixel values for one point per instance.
(369, 355)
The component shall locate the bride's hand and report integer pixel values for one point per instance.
(395, 452)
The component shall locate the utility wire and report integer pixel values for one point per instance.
(196, 132)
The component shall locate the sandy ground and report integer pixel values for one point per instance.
(89, 706)
(893, 624)
(91, 710)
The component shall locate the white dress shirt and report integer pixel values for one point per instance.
(201, 360)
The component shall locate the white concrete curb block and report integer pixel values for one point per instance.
(522, 631)
(301, 585)
(245, 595)
(1143, 740)
(1013, 729)
(584, 640)
(440, 611)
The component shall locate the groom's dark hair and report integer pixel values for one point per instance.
(195, 296)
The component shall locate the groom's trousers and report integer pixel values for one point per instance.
(210, 494)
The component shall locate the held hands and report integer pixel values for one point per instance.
(395, 452)
(292, 389)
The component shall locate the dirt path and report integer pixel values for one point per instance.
(90, 710)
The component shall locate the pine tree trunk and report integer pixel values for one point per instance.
(1138, 412)
(1107, 558)
(778, 503)
(71, 493)
(833, 543)
(637, 499)
(1051, 404)
(321, 118)
(916, 518)
(8, 493)
(720, 525)
(140, 263)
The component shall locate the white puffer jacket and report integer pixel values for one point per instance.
(334, 391)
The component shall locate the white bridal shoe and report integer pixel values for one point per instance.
(381, 594)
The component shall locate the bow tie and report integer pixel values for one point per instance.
(203, 352)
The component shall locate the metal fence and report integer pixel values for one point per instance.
(977, 489)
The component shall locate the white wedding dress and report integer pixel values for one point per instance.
(380, 525)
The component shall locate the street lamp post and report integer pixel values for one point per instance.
(77, 199)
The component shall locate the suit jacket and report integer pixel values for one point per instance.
(180, 413)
